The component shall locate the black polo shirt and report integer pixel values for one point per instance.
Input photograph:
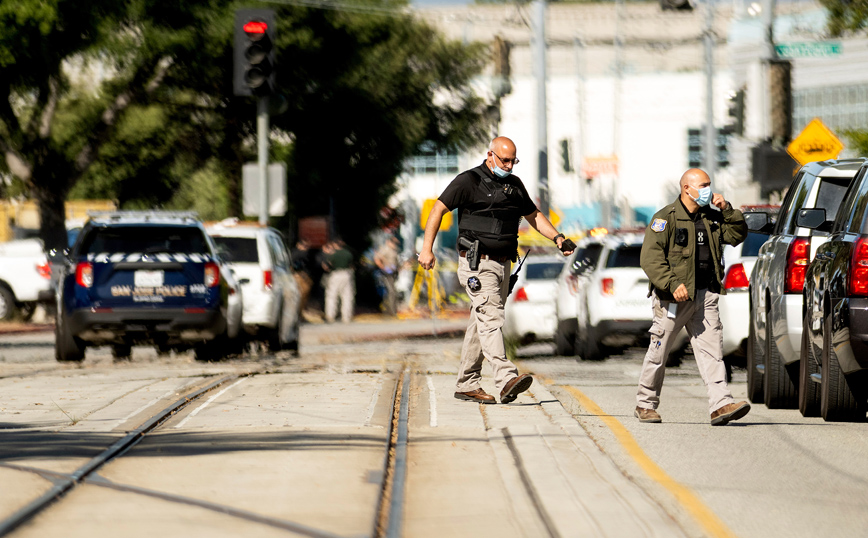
(468, 193)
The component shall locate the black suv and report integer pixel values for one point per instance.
(833, 367)
(135, 277)
(777, 282)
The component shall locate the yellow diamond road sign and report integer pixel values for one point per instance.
(815, 143)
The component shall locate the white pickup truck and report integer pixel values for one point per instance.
(25, 278)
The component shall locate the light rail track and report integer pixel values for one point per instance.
(389, 509)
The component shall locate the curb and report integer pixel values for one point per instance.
(24, 328)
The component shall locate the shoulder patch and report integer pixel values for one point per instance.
(658, 225)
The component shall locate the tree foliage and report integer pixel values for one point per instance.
(132, 100)
(845, 16)
(858, 140)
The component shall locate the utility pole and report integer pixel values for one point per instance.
(710, 153)
(262, 153)
(538, 44)
(609, 200)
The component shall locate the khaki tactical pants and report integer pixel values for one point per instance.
(340, 286)
(484, 336)
(702, 320)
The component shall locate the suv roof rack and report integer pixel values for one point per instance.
(142, 215)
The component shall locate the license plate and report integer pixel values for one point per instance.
(148, 279)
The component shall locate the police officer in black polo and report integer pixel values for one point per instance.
(490, 202)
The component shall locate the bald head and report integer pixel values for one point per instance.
(501, 156)
(692, 180)
(502, 145)
(692, 177)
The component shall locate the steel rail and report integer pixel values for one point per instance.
(64, 484)
(399, 476)
(390, 506)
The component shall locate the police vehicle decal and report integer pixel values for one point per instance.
(108, 257)
(658, 225)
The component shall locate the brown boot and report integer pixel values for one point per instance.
(647, 415)
(515, 387)
(477, 395)
(728, 412)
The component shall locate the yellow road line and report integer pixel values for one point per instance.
(694, 505)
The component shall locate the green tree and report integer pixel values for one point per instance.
(161, 127)
(845, 16)
(858, 140)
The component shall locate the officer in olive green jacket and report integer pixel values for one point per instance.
(683, 257)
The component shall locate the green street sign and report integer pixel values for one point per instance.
(812, 49)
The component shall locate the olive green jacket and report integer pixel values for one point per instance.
(669, 265)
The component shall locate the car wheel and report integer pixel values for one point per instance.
(809, 391)
(752, 359)
(26, 310)
(67, 348)
(592, 349)
(210, 351)
(778, 387)
(565, 338)
(122, 352)
(8, 309)
(837, 403)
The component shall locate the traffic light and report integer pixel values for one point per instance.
(254, 52)
(736, 112)
(565, 155)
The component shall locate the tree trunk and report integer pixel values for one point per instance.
(50, 188)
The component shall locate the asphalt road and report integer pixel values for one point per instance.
(298, 442)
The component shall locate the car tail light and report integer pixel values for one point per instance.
(84, 274)
(736, 278)
(797, 263)
(266, 280)
(573, 284)
(608, 286)
(212, 275)
(520, 295)
(44, 269)
(858, 284)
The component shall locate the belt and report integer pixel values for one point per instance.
(501, 259)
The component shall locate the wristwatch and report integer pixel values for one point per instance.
(555, 238)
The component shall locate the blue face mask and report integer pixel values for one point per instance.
(704, 196)
(500, 172)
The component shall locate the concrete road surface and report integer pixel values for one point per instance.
(298, 446)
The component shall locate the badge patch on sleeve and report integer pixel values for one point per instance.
(658, 225)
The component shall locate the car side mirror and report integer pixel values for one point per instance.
(814, 219)
(758, 222)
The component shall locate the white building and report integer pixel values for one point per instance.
(626, 82)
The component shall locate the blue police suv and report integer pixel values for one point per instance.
(145, 277)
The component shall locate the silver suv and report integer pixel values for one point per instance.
(778, 278)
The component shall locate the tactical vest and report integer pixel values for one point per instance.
(496, 226)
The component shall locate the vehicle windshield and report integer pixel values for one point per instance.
(544, 271)
(149, 239)
(624, 256)
(752, 244)
(238, 249)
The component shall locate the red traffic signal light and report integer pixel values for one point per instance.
(255, 27)
(254, 52)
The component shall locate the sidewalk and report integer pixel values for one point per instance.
(363, 328)
(373, 327)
